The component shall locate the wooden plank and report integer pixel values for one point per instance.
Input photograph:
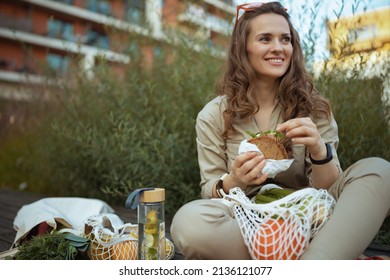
(10, 202)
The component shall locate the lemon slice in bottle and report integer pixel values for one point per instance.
(151, 229)
(149, 240)
(152, 254)
(152, 217)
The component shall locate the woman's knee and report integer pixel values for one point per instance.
(207, 229)
(373, 166)
(185, 216)
(373, 172)
(192, 224)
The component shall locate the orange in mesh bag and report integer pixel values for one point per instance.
(110, 238)
(281, 229)
(97, 251)
(126, 250)
(270, 242)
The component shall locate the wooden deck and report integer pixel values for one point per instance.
(11, 201)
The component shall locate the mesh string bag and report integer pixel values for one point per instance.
(111, 239)
(108, 244)
(282, 229)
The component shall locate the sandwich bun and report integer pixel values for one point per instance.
(270, 143)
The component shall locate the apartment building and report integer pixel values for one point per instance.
(361, 43)
(361, 36)
(363, 32)
(37, 36)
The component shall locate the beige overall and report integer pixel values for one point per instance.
(207, 229)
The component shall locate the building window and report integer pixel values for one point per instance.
(132, 49)
(99, 6)
(61, 30)
(136, 11)
(58, 63)
(69, 2)
(97, 39)
(229, 2)
(157, 52)
(363, 33)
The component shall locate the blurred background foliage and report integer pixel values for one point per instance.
(107, 136)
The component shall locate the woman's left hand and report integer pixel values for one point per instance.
(304, 131)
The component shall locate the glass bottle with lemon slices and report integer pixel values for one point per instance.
(151, 225)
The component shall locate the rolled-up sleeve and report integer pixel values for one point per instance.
(212, 157)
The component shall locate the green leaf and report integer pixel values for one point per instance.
(76, 238)
(277, 134)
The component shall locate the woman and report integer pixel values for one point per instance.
(266, 87)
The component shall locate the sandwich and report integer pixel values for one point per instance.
(270, 143)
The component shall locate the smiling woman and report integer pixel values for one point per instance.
(266, 87)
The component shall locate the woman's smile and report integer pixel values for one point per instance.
(275, 61)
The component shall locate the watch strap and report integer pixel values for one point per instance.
(328, 158)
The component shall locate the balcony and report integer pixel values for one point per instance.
(22, 24)
(91, 16)
(224, 5)
(99, 6)
(196, 15)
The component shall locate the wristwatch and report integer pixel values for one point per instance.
(220, 192)
(328, 158)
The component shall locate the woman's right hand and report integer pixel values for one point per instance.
(246, 170)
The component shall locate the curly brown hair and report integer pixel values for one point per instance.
(296, 93)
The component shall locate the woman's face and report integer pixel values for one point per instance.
(269, 46)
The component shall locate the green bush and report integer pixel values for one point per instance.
(118, 136)
(363, 117)
(24, 135)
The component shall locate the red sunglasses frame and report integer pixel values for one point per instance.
(248, 7)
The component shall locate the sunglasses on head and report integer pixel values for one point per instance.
(241, 9)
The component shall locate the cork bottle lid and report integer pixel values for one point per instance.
(156, 195)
